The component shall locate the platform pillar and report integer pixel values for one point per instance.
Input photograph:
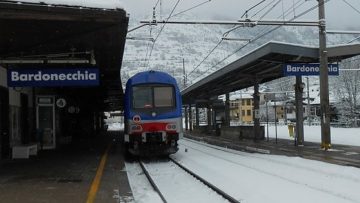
(227, 110)
(256, 111)
(299, 86)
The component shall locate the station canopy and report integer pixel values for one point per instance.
(33, 33)
(263, 64)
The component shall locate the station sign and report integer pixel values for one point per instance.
(49, 77)
(300, 69)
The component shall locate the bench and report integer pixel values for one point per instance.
(24, 151)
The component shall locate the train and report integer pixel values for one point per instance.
(152, 114)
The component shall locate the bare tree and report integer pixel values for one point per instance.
(347, 90)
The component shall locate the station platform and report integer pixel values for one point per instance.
(338, 154)
(67, 174)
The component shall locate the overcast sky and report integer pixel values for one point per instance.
(339, 14)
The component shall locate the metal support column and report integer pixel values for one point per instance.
(256, 113)
(227, 110)
(190, 118)
(186, 118)
(324, 83)
(299, 86)
(308, 101)
(197, 116)
(209, 117)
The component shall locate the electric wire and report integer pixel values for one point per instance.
(289, 10)
(270, 9)
(156, 3)
(219, 44)
(216, 46)
(246, 12)
(147, 48)
(358, 11)
(221, 40)
(353, 7)
(264, 34)
(263, 8)
(161, 29)
(186, 10)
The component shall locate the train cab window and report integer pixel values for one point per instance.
(153, 96)
(163, 97)
(142, 97)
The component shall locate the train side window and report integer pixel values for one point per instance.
(164, 97)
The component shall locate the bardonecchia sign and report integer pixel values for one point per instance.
(20, 77)
(300, 69)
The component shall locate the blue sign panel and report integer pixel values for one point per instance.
(299, 69)
(20, 77)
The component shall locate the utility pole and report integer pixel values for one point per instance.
(324, 83)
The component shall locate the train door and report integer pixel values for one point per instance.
(4, 123)
(45, 121)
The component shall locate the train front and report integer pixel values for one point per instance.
(153, 122)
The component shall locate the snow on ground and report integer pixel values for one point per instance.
(115, 126)
(344, 136)
(140, 187)
(258, 178)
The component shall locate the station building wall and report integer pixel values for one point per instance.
(20, 122)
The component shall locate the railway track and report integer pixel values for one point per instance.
(191, 184)
(277, 164)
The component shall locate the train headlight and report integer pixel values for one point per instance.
(136, 128)
(171, 126)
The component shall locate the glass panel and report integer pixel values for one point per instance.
(142, 97)
(164, 96)
(46, 124)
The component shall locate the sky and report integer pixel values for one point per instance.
(339, 13)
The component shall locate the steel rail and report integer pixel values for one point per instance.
(152, 182)
(213, 187)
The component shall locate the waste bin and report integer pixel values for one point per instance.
(291, 129)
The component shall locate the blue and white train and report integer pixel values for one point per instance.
(153, 117)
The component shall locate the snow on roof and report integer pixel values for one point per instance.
(104, 4)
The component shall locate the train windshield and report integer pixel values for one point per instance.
(153, 97)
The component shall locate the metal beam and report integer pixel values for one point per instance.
(342, 32)
(245, 23)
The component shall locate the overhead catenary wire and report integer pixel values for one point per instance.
(289, 10)
(263, 8)
(221, 40)
(147, 47)
(161, 29)
(186, 10)
(264, 34)
(246, 12)
(270, 9)
(353, 7)
(358, 11)
(224, 35)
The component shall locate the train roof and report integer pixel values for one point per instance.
(151, 77)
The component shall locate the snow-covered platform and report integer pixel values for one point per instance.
(339, 154)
